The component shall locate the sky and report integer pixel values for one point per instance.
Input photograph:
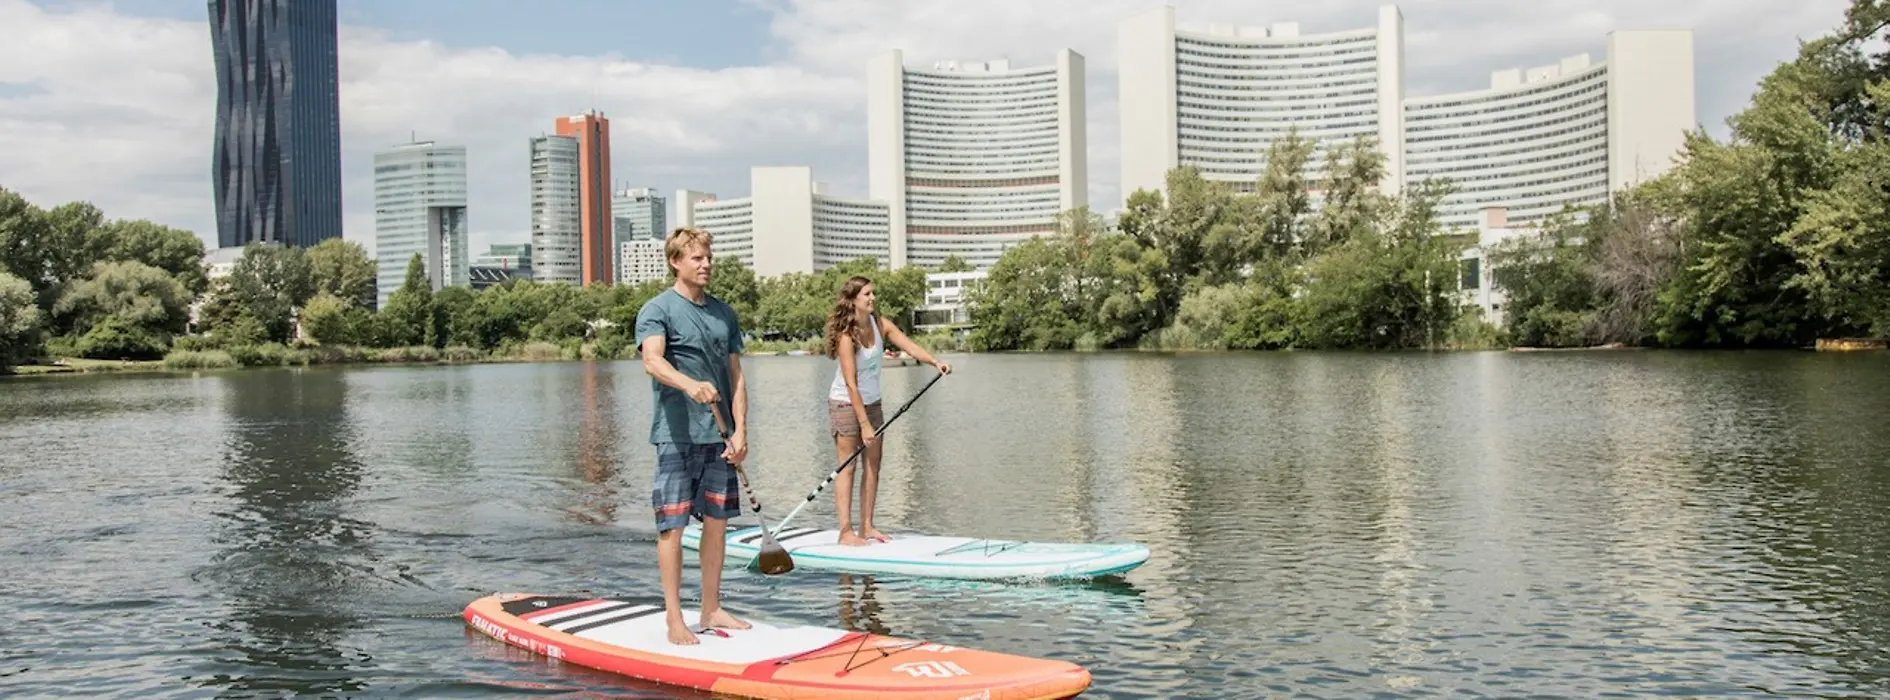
(113, 102)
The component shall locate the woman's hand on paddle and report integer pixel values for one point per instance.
(943, 367)
(867, 434)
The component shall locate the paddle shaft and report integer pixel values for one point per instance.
(857, 452)
(722, 426)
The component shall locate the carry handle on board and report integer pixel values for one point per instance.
(857, 452)
(774, 558)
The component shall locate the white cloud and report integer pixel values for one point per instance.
(117, 109)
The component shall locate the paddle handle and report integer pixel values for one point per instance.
(721, 425)
(856, 453)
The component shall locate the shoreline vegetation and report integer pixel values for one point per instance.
(1776, 238)
(277, 355)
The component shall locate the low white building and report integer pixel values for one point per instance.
(789, 223)
(1474, 280)
(947, 304)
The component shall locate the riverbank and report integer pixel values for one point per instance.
(279, 355)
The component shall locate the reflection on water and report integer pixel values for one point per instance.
(597, 454)
(1321, 525)
(288, 551)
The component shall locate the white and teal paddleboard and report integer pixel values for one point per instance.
(934, 556)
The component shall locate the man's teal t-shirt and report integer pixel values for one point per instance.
(698, 340)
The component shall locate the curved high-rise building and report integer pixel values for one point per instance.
(1556, 136)
(973, 158)
(1216, 99)
(1533, 142)
(1530, 148)
(275, 167)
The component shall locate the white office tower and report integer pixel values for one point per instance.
(1533, 142)
(554, 202)
(973, 158)
(789, 223)
(1558, 135)
(420, 208)
(1217, 97)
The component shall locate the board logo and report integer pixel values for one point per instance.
(932, 669)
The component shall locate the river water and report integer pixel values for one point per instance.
(1322, 525)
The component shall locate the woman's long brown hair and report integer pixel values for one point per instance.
(842, 320)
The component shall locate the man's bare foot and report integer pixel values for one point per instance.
(852, 539)
(877, 536)
(679, 633)
(720, 619)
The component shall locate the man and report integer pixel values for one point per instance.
(691, 344)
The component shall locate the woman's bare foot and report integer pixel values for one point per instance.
(877, 536)
(679, 633)
(720, 619)
(852, 539)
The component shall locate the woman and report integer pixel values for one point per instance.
(856, 335)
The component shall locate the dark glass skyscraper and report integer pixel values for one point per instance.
(277, 161)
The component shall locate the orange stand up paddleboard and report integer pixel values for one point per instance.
(629, 637)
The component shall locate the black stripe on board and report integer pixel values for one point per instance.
(526, 606)
(652, 610)
(750, 539)
(798, 534)
(553, 621)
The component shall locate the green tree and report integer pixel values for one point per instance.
(325, 320)
(342, 269)
(1024, 303)
(19, 319)
(139, 296)
(953, 263)
(255, 302)
(113, 338)
(455, 313)
(408, 317)
(49, 247)
(176, 251)
(735, 284)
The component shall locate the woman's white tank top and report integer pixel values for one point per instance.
(866, 362)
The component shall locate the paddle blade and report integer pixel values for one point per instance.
(774, 559)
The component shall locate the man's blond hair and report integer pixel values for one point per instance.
(681, 239)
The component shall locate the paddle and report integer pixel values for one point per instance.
(859, 450)
(774, 558)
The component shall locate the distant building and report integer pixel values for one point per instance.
(482, 277)
(514, 258)
(1566, 133)
(420, 209)
(975, 157)
(596, 254)
(555, 209)
(1474, 282)
(946, 304)
(275, 167)
(643, 261)
(788, 223)
(638, 214)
